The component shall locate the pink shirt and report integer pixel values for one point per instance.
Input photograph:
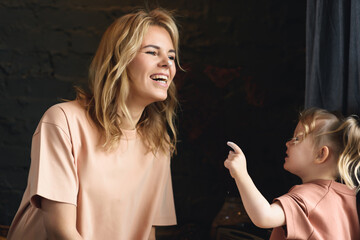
(119, 194)
(321, 210)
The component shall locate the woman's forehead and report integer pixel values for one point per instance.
(158, 35)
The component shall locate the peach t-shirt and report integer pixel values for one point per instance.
(119, 194)
(321, 210)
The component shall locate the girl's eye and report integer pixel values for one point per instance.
(172, 58)
(296, 139)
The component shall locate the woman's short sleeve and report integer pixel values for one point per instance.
(53, 172)
(166, 215)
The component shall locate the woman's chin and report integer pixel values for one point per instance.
(160, 98)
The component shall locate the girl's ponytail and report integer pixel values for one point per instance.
(349, 160)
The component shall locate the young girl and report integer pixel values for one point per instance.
(100, 165)
(325, 153)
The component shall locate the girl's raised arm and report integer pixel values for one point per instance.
(261, 213)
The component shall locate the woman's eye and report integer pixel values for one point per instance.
(172, 58)
(151, 53)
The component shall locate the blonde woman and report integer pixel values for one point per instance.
(325, 153)
(100, 165)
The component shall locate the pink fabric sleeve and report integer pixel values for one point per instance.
(297, 225)
(53, 173)
(166, 215)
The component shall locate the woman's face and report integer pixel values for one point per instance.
(153, 68)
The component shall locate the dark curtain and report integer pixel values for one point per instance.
(332, 55)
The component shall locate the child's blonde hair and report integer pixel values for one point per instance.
(341, 135)
(109, 82)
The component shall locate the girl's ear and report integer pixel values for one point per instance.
(322, 155)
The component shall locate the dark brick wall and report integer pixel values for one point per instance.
(245, 64)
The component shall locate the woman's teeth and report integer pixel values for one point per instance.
(159, 78)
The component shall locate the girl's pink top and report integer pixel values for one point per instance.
(321, 210)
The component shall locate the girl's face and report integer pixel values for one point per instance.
(153, 68)
(300, 154)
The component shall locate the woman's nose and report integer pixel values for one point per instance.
(165, 61)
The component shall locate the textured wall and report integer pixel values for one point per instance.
(244, 82)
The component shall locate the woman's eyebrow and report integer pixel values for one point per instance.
(151, 46)
(157, 47)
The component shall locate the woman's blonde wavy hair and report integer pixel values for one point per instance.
(109, 82)
(341, 135)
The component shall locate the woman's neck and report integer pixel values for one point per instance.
(135, 114)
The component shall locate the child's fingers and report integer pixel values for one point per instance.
(232, 155)
(226, 163)
(235, 147)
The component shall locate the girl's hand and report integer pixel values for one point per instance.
(236, 161)
(261, 213)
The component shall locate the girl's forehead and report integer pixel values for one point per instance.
(299, 128)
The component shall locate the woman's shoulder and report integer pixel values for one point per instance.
(65, 113)
(64, 109)
(68, 107)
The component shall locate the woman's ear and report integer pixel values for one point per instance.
(322, 155)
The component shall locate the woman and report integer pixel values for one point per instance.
(100, 165)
